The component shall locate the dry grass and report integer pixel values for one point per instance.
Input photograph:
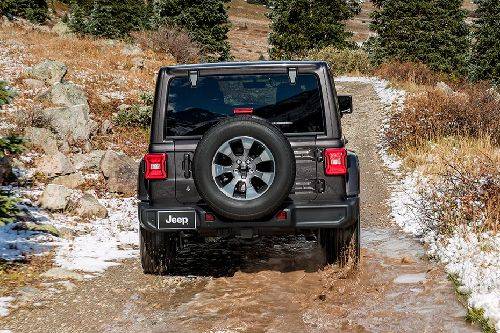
(409, 73)
(464, 182)
(471, 111)
(102, 67)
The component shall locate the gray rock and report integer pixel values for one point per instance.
(104, 99)
(88, 207)
(48, 71)
(62, 274)
(68, 94)
(120, 171)
(493, 92)
(94, 127)
(55, 197)
(123, 107)
(34, 84)
(31, 226)
(55, 164)
(106, 126)
(61, 29)
(138, 62)
(88, 161)
(64, 147)
(131, 50)
(70, 181)
(6, 174)
(41, 138)
(71, 122)
(444, 88)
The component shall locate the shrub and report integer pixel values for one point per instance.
(413, 72)
(11, 145)
(433, 32)
(170, 40)
(485, 62)
(6, 93)
(464, 188)
(33, 10)
(109, 18)
(298, 26)
(472, 111)
(342, 61)
(138, 115)
(8, 208)
(206, 21)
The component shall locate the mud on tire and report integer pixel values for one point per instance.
(158, 251)
(341, 245)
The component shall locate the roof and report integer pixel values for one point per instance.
(214, 65)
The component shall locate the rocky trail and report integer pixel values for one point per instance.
(274, 285)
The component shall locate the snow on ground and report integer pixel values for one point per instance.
(474, 259)
(4, 305)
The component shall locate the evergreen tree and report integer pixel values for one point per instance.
(429, 31)
(298, 26)
(33, 10)
(485, 61)
(206, 21)
(108, 18)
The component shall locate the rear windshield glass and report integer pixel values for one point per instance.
(294, 108)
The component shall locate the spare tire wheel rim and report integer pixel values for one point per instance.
(243, 168)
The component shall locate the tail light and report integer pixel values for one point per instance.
(335, 161)
(243, 111)
(156, 166)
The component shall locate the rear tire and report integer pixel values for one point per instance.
(158, 250)
(341, 245)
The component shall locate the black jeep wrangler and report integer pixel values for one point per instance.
(247, 149)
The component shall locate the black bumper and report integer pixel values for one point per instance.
(338, 215)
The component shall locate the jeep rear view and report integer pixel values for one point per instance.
(244, 150)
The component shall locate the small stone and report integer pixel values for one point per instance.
(106, 126)
(70, 181)
(88, 207)
(48, 71)
(138, 63)
(55, 164)
(55, 197)
(444, 88)
(131, 50)
(34, 84)
(407, 260)
(41, 138)
(62, 274)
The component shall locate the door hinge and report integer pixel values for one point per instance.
(186, 166)
(320, 185)
(319, 154)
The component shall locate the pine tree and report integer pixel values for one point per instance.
(485, 60)
(298, 26)
(429, 31)
(33, 10)
(108, 18)
(206, 21)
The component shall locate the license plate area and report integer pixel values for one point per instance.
(177, 220)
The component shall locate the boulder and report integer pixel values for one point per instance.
(70, 122)
(48, 71)
(55, 197)
(120, 171)
(88, 161)
(55, 164)
(70, 181)
(41, 138)
(88, 206)
(61, 29)
(6, 174)
(34, 84)
(68, 94)
(444, 88)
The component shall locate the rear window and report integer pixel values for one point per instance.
(294, 108)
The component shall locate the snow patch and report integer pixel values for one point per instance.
(4, 305)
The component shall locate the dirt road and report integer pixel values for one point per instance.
(274, 285)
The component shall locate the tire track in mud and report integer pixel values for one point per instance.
(275, 285)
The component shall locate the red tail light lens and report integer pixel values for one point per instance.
(243, 111)
(281, 216)
(156, 166)
(335, 161)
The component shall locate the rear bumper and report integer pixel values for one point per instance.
(338, 215)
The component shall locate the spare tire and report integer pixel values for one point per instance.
(244, 168)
